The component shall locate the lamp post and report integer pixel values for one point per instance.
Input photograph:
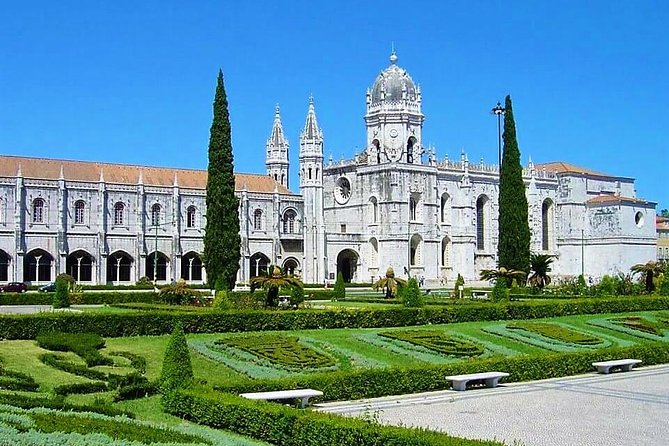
(499, 111)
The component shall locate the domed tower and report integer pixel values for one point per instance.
(394, 119)
(276, 158)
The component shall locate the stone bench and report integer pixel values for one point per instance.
(480, 294)
(624, 365)
(302, 394)
(490, 379)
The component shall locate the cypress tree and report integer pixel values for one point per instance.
(221, 239)
(177, 371)
(514, 228)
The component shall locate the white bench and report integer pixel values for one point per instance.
(623, 364)
(302, 394)
(480, 294)
(490, 379)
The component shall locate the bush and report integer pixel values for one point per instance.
(339, 292)
(61, 298)
(178, 294)
(11, 380)
(79, 298)
(58, 403)
(296, 296)
(606, 286)
(411, 294)
(145, 282)
(663, 287)
(177, 371)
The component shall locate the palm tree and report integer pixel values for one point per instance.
(390, 283)
(540, 266)
(273, 283)
(649, 270)
(507, 275)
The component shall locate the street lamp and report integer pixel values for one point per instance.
(499, 111)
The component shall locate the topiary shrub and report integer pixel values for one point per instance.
(61, 298)
(663, 286)
(296, 296)
(177, 371)
(411, 295)
(499, 291)
(460, 281)
(339, 292)
(144, 282)
(607, 286)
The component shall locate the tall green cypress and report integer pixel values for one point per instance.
(514, 228)
(221, 238)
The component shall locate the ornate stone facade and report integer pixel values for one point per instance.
(395, 204)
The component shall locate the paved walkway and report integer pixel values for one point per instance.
(30, 309)
(588, 410)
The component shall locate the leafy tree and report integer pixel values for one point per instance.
(664, 213)
(390, 283)
(177, 371)
(540, 265)
(649, 271)
(503, 275)
(221, 239)
(272, 283)
(499, 291)
(514, 229)
(61, 299)
(663, 288)
(339, 291)
(411, 295)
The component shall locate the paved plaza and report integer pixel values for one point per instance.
(588, 410)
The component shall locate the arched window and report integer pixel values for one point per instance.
(373, 210)
(38, 210)
(416, 251)
(310, 173)
(159, 263)
(191, 267)
(546, 224)
(119, 211)
(155, 215)
(79, 210)
(5, 261)
(410, 144)
(119, 267)
(373, 253)
(446, 252)
(257, 220)
(289, 221)
(191, 214)
(481, 216)
(79, 265)
(445, 208)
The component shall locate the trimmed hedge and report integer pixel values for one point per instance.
(370, 383)
(286, 426)
(84, 345)
(160, 323)
(87, 298)
(58, 403)
(87, 387)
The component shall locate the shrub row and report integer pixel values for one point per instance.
(58, 403)
(86, 387)
(370, 383)
(87, 298)
(12, 380)
(286, 426)
(159, 323)
(84, 345)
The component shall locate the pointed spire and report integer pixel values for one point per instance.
(393, 54)
(311, 129)
(277, 139)
(61, 176)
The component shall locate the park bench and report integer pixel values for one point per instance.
(490, 379)
(624, 365)
(480, 294)
(302, 394)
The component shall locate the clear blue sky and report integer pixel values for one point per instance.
(133, 81)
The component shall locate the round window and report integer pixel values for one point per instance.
(342, 190)
(639, 219)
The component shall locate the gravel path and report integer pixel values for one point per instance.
(588, 410)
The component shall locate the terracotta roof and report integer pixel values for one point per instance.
(51, 169)
(615, 199)
(562, 167)
(662, 223)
